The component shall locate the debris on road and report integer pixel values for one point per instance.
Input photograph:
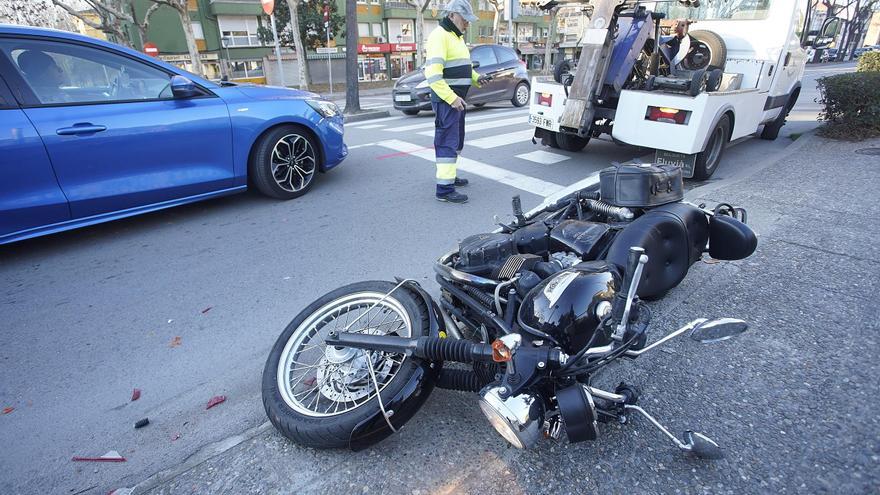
(135, 394)
(175, 342)
(111, 456)
(175, 436)
(207, 309)
(711, 261)
(217, 399)
(122, 491)
(141, 423)
(7, 410)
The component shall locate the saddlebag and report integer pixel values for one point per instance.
(641, 186)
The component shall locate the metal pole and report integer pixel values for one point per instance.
(277, 51)
(510, 22)
(329, 63)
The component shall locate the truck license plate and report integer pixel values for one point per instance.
(542, 122)
(684, 161)
(403, 97)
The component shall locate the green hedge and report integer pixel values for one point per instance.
(869, 62)
(851, 105)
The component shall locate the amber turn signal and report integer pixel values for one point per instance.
(500, 352)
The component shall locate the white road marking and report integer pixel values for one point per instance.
(543, 157)
(361, 146)
(502, 139)
(371, 121)
(468, 127)
(513, 179)
(475, 118)
(371, 126)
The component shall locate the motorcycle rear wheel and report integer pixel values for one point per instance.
(315, 395)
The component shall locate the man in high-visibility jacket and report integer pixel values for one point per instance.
(450, 74)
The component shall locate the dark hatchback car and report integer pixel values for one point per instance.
(510, 82)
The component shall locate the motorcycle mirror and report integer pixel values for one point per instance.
(702, 446)
(717, 330)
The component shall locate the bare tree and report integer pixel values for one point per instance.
(143, 25)
(421, 6)
(302, 61)
(548, 43)
(498, 5)
(111, 16)
(352, 91)
(180, 6)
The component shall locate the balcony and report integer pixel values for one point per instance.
(400, 10)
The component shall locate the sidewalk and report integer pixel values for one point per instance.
(793, 401)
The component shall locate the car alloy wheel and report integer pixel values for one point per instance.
(293, 163)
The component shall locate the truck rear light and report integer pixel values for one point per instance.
(668, 115)
(545, 99)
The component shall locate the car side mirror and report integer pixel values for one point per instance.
(827, 33)
(182, 87)
(474, 64)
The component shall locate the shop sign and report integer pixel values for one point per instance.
(374, 48)
(403, 47)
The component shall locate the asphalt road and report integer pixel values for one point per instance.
(185, 304)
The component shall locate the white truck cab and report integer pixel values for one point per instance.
(760, 83)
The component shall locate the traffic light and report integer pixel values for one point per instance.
(326, 15)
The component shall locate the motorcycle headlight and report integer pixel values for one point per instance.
(423, 84)
(326, 108)
(517, 418)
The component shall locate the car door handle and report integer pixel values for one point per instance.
(83, 128)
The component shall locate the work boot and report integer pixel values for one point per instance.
(459, 182)
(453, 197)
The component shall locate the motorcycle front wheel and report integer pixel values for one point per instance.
(316, 395)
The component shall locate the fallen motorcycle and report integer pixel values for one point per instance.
(535, 309)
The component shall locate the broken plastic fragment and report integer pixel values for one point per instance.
(175, 342)
(207, 309)
(141, 423)
(175, 436)
(111, 456)
(7, 410)
(217, 399)
(135, 394)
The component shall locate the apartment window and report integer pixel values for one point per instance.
(239, 30)
(197, 30)
(377, 29)
(486, 32)
(246, 68)
(363, 30)
(483, 5)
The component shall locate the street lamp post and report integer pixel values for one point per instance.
(225, 42)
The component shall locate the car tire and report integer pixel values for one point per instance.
(276, 175)
(520, 95)
(570, 142)
(410, 112)
(707, 160)
(295, 418)
(771, 129)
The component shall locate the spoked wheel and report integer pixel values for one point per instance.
(317, 394)
(520, 95)
(284, 163)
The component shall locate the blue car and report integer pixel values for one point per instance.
(91, 131)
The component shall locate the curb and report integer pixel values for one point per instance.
(366, 115)
(206, 453)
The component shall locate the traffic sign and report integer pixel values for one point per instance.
(151, 49)
(268, 6)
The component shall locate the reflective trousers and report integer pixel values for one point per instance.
(448, 142)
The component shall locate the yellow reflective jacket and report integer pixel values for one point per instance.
(448, 65)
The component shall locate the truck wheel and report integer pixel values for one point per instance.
(712, 53)
(549, 139)
(771, 129)
(570, 142)
(708, 159)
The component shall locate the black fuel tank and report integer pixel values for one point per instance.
(586, 239)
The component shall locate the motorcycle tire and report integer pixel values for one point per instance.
(717, 49)
(561, 68)
(570, 142)
(325, 412)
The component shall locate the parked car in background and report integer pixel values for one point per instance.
(859, 51)
(510, 82)
(91, 131)
(828, 55)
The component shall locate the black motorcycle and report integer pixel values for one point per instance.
(534, 309)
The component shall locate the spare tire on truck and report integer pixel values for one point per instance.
(710, 54)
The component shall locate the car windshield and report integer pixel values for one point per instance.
(717, 10)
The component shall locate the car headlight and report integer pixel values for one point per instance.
(423, 84)
(325, 108)
(518, 418)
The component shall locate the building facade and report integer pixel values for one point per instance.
(228, 43)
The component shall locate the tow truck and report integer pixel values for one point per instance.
(684, 95)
